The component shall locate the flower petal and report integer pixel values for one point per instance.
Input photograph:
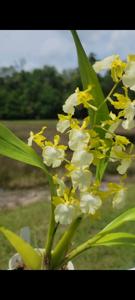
(64, 214)
(104, 64)
(118, 199)
(53, 156)
(128, 78)
(89, 203)
(125, 164)
(62, 125)
(82, 158)
(78, 139)
(70, 103)
(81, 178)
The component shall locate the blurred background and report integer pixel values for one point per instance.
(38, 71)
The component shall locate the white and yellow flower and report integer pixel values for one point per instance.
(128, 109)
(129, 114)
(118, 199)
(30, 139)
(121, 141)
(85, 97)
(123, 167)
(65, 213)
(78, 139)
(82, 158)
(105, 64)
(71, 102)
(38, 138)
(113, 63)
(63, 123)
(117, 154)
(67, 207)
(81, 178)
(117, 69)
(53, 154)
(77, 98)
(61, 185)
(128, 78)
(89, 203)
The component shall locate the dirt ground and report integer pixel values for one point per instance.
(12, 198)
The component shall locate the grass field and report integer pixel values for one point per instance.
(36, 217)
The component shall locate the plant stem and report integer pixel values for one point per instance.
(63, 245)
(80, 249)
(105, 100)
(52, 225)
(110, 93)
(103, 163)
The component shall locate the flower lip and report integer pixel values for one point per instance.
(89, 203)
(53, 156)
(105, 63)
(128, 78)
(78, 139)
(82, 158)
(65, 214)
(70, 103)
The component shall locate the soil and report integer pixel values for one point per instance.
(12, 198)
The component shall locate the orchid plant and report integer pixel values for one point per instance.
(92, 144)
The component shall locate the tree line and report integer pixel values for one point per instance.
(40, 93)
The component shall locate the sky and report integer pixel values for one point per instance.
(56, 47)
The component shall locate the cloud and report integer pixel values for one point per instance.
(121, 42)
(108, 42)
(56, 47)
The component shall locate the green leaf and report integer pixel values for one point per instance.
(13, 147)
(110, 244)
(30, 257)
(116, 239)
(115, 236)
(89, 77)
(127, 216)
(101, 167)
(103, 238)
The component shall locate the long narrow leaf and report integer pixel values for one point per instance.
(13, 147)
(127, 216)
(11, 151)
(110, 244)
(103, 237)
(115, 236)
(89, 77)
(116, 239)
(30, 257)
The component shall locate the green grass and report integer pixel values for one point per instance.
(36, 217)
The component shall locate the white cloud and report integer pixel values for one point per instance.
(56, 47)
